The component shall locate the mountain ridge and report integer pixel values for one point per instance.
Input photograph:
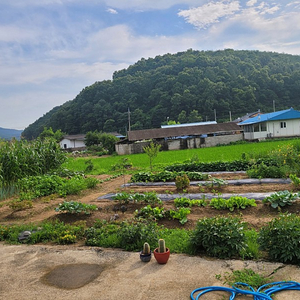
(8, 134)
(189, 86)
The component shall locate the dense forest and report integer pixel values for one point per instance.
(188, 86)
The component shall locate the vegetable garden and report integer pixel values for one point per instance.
(60, 205)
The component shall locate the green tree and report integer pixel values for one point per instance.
(194, 116)
(92, 138)
(152, 151)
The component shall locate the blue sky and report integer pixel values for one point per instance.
(51, 49)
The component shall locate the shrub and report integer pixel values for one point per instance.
(280, 238)
(219, 236)
(39, 186)
(91, 182)
(182, 182)
(133, 235)
(177, 239)
(295, 180)
(103, 235)
(17, 205)
(215, 166)
(281, 199)
(264, 171)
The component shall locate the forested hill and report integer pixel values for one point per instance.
(8, 134)
(186, 87)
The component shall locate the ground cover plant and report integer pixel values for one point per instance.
(37, 186)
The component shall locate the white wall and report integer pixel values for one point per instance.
(67, 144)
(274, 130)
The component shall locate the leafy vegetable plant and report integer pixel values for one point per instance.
(281, 199)
(232, 203)
(73, 207)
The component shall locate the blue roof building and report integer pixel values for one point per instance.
(284, 123)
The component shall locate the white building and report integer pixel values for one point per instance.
(284, 123)
(73, 142)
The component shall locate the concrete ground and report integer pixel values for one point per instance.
(64, 272)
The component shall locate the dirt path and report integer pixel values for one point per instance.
(93, 273)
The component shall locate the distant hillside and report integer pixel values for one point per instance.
(185, 87)
(8, 134)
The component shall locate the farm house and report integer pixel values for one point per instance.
(284, 123)
(181, 137)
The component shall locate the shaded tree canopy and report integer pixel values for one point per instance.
(184, 87)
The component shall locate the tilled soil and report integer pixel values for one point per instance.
(44, 208)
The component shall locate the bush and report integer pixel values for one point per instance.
(264, 171)
(182, 182)
(219, 236)
(103, 235)
(133, 235)
(17, 205)
(39, 186)
(280, 238)
(215, 166)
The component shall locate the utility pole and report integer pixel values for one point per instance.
(230, 116)
(129, 128)
(215, 115)
(274, 105)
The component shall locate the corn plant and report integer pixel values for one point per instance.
(20, 159)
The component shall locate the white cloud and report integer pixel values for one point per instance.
(210, 13)
(116, 4)
(251, 2)
(118, 43)
(112, 11)
(13, 33)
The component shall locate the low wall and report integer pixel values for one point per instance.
(180, 144)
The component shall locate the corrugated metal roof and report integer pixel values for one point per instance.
(78, 137)
(159, 133)
(277, 115)
(189, 124)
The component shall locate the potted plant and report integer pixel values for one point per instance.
(161, 253)
(145, 254)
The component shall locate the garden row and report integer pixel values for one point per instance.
(222, 237)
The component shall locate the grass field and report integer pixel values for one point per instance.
(103, 165)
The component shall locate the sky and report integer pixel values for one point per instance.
(51, 49)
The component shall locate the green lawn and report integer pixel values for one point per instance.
(103, 165)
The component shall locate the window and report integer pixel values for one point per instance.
(263, 126)
(256, 127)
(282, 124)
